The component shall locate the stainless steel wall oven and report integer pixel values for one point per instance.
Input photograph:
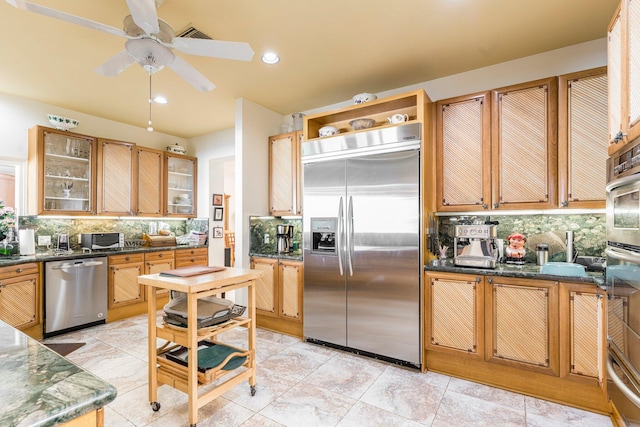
(623, 283)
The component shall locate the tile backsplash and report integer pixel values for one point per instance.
(259, 226)
(589, 232)
(132, 228)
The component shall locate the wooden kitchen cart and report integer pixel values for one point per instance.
(188, 378)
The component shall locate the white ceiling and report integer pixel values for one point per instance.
(330, 50)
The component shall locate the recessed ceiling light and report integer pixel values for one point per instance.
(270, 58)
(160, 100)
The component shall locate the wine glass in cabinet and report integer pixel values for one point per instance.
(63, 166)
(180, 185)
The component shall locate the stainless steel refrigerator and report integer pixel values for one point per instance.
(362, 240)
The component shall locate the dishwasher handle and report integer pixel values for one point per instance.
(77, 264)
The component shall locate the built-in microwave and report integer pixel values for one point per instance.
(623, 211)
(96, 241)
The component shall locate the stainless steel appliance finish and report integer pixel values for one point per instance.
(284, 238)
(362, 257)
(475, 245)
(623, 296)
(75, 294)
(96, 241)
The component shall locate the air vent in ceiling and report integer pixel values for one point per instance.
(192, 33)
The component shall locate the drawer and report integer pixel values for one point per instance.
(126, 258)
(19, 270)
(155, 256)
(189, 253)
(193, 260)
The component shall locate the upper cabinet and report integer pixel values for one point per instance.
(413, 104)
(463, 153)
(582, 139)
(116, 177)
(150, 179)
(624, 75)
(524, 145)
(498, 150)
(284, 174)
(180, 173)
(61, 170)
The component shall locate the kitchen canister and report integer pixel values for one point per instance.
(27, 241)
(542, 253)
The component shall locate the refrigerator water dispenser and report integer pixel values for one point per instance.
(323, 235)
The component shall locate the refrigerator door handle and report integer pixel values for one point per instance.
(339, 235)
(350, 236)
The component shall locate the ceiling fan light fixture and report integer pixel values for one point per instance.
(150, 54)
(270, 58)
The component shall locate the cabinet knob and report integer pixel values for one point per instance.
(160, 255)
(564, 204)
(127, 258)
(496, 205)
(485, 206)
(18, 270)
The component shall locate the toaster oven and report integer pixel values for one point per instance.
(95, 241)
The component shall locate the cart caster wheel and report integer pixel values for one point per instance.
(253, 390)
(155, 406)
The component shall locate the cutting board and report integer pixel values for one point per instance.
(191, 271)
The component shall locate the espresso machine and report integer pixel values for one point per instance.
(475, 245)
(284, 238)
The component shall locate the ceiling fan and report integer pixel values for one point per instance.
(151, 42)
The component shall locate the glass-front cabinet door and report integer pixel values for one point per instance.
(180, 182)
(65, 172)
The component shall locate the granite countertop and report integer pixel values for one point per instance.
(41, 388)
(51, 256)
(526, 271)
(293, 256)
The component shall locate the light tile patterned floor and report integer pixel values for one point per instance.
(301, 384)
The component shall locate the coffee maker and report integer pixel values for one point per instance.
(284, 238)
(475, 245)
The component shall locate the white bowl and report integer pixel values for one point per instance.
(328, 131)
(358, 124)
(178, 149)
(62, 123)
(361, 98)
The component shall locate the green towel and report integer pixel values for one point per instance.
(211, 357)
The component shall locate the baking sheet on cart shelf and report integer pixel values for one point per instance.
(210, 355)
(189, 271)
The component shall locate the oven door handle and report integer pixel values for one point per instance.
(629, 394)
(622, 255)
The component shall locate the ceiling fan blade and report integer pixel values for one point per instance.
(191, 75)
(240, 51)
(42, 10)
(116, 64)
(144, 15)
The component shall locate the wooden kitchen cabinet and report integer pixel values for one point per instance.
(116, 177)
(123, 279)
(150, 182)
(463, 153)
(61, 172)
(20, 304)
(279, 295)
(522, 308)
(192, 256)
(156, 262)
(582, 331)
(454, 307)
(180, 185)
(524, 145)
(623, 63)
(285, 192)
(582, 139)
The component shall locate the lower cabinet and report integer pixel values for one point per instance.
(279, 295)
(192, 256)
(156, 262)
(123, 279)
(522, 323)
(20, 296)
(538, 337)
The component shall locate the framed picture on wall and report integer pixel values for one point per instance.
(217, 200)
(217, 232)
(217, 214)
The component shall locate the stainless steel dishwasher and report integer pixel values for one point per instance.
(75, 294)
